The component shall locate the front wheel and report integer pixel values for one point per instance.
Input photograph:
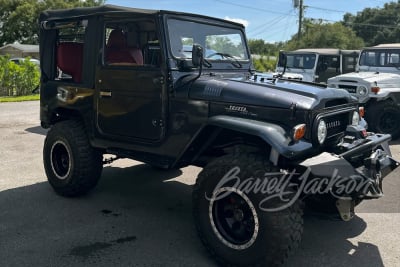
(72, 166)
(232, 223)
(383, 117)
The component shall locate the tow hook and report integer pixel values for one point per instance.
(345, 207)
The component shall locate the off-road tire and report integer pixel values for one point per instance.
(72, 166)
(383, 117)
(279, 232)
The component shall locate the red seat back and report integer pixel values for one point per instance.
(70, 59)
(118, 51)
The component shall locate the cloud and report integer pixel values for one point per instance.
(241, 21)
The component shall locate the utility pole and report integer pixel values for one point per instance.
(299, 4)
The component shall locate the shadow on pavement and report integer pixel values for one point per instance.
(37, 130)
(139, 216)
(325, 243)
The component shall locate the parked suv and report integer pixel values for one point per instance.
(316, 64)
(119, 81)
(376, 84)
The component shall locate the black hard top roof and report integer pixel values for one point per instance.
(59, 14)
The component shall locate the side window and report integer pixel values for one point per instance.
(393, 58)
(328, 63)
(349, 63)
(131, 44)
(69, 51)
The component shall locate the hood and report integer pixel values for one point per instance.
(382, 79)
(293, 75)
(279, 94)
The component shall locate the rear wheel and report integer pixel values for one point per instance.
(232, 223)
(72, 166)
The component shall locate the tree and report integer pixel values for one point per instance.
(376, 25)
(260, 47)
(318, 34)
(19, 18)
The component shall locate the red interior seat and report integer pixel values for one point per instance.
(70, 59)
(118, 51)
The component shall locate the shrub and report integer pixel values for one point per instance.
(18, 79)
(264, 64)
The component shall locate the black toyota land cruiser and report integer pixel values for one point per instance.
(174, 89)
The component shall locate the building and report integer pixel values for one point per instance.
(20, 50)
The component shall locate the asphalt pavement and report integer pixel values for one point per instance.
(140, 216)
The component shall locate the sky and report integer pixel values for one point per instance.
(270, 20)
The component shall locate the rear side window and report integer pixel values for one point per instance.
(69, 51)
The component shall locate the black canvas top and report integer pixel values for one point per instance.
(59, 14)
(88, 11)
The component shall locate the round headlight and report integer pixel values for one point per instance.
(355, 120)
(362, 90)
(322, 131)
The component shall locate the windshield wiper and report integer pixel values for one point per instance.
(231, 59)
(206, 63)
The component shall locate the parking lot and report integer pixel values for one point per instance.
(139, 216)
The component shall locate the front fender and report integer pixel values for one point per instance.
(272, 134)
(392, 94)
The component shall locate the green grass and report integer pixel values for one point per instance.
(19, 98)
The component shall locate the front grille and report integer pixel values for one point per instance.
(336, 124)
(337, 119)
(349, 88)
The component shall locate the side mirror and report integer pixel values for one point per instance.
(197, 55)
(282, 58)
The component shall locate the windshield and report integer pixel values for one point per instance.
(380, 58)
(299, 61)
(219, 43)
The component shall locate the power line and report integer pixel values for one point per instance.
(250, 7)
(325, 9)
(361, 24)
(293, 15)
(267, 24)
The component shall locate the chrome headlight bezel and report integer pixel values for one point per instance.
(355, 119)
(362, 90)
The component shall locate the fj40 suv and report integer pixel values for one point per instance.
(316, 64)
(173, 89)
(376, 84)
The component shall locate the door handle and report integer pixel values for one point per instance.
(105, 94)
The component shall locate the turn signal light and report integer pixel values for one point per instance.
(299, 131)
(375, 89)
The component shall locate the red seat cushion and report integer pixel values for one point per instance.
(70, 59)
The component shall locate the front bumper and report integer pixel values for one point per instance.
(357, 172)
